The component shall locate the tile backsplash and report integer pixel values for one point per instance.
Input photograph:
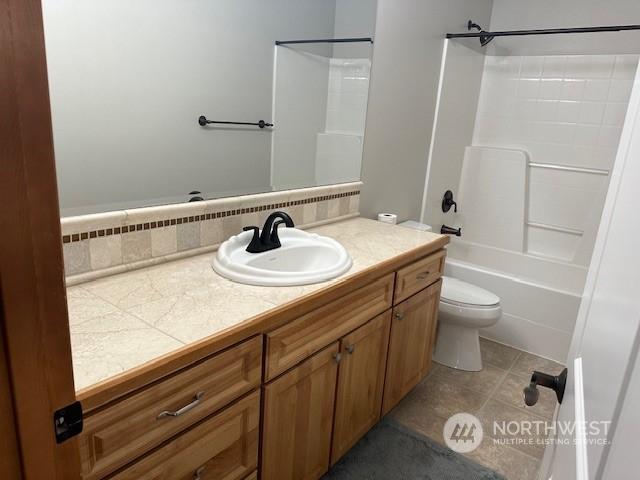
(113, 242)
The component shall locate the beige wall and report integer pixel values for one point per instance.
(402, 98)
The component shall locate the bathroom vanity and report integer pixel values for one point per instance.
(281, 391)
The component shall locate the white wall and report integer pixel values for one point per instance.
(354, 18)
(402, 98)
(128, 81)
(534, 14)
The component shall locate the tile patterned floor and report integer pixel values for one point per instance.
(495, 393)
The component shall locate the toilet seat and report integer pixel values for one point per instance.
(462, 294)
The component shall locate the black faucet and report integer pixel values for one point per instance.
(268, 239)
(447, 230)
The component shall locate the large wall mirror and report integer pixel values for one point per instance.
(129, 81)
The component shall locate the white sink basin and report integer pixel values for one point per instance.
(302, 259)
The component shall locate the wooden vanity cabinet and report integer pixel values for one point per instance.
(119, 433)
(222, 447)
(413, 328)
(360, 383)
(338, 390)
(298, 419)
(327, 377)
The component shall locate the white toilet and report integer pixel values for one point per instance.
(464, 308)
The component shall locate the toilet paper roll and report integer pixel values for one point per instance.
(388, 218)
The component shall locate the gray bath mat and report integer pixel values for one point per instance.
(391, 451)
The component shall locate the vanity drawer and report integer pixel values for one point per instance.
(129, 428)
(310, 333)
(224, 447)
(418, 275)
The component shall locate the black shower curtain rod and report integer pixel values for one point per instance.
(326, 40)
(550, 31)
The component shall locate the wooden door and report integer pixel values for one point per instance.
(360, 383)
(9, 454)
(413, 328)
(298, 418)
(35, 326)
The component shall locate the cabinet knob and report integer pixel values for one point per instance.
(350, 348)
(399, 315)
(337, 357)
(198, 474)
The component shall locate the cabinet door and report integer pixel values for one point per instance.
(360, 383)
(298, 417)
(413, 327)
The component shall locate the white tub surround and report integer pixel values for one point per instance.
(121, 322)
(530, 183)
(109, 243)
(536, 317)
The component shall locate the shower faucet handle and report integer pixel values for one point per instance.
(448, 202)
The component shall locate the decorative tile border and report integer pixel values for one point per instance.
(107, 243)
(105, 232)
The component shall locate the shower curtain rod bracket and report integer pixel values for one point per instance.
(485, 37)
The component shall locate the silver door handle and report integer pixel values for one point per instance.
(350, 348)
(337, 357)
(399, 315)
(198, 474)
(183, 410)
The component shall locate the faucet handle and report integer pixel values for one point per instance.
(448, 202)
(255, 246)
(274, 238)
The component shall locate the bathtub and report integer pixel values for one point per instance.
(540, 297)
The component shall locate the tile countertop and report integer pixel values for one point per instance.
(120, 322)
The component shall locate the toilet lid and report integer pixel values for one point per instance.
(459, 292)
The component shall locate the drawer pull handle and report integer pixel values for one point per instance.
(337, 357)
(423, 275)
(399, 315)
(198, 474)
(183, 410)
(350, 348)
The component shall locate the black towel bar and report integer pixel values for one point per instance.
(202, 121)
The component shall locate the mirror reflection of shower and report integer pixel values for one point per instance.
(320, 103)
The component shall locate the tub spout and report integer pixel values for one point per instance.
(447, 230)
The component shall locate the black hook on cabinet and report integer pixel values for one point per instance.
(202, 121)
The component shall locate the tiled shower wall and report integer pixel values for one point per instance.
(339, 146)
(113, 242)
(563, 111)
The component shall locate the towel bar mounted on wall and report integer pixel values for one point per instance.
(202, 121)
